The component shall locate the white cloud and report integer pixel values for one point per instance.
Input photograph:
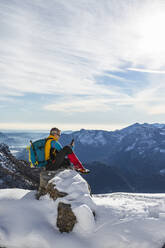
(103, 103)
(151, 99)
(157, 110)
(76, 105)
(60, 47)
(78, 41)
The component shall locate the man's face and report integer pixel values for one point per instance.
(57, 135)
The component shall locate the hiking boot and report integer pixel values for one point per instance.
(84, 171)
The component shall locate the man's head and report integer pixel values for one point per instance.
(55, 132)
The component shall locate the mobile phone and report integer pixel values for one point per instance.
(72, 142)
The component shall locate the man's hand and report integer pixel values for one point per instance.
(72, 143)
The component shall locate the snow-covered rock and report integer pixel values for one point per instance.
(73, 199)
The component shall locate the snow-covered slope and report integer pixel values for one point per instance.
(122, 220)
(15, 173)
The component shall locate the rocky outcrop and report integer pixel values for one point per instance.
(53, 192)
(72, 196)
(16, 173)
(65, 218)
(48, 188)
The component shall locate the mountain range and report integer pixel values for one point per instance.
(131, 159)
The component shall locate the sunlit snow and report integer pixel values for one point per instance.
(122, 220)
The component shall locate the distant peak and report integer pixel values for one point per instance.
(136, 124)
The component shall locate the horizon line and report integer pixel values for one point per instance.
(24, 127)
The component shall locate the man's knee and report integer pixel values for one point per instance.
(67, 150)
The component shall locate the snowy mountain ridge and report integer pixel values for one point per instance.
(137, 151)
(89, 137)
(137, 142)
(97, 137)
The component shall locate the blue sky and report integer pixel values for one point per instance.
(81, 64)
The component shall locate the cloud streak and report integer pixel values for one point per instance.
(146, 70)
(63, 47)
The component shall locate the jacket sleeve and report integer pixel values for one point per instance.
(56, 145)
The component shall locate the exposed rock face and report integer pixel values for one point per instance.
(54, 193)
(16, 173)
(72, 195)
(49, 188)
(66, 218)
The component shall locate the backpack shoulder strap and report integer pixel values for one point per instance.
(48, 147)
(49, 138)
(35, 154)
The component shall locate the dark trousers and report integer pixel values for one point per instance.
(60, 160)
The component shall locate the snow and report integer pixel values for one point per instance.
(86, 138)
(71, 182)
(119, 138)
(86, 223)
(158, 125)
(14, 152)
(12, 194)
(100, 139)
(129, 148)
(122, 220)
(92, 138)
(162, 172)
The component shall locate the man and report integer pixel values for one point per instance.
(57, 156)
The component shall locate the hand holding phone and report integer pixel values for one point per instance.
(72, 143)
